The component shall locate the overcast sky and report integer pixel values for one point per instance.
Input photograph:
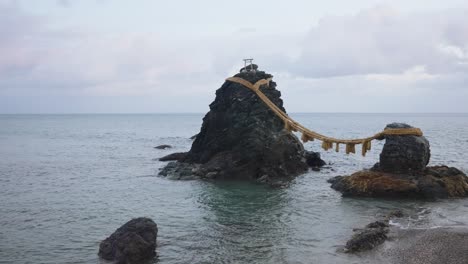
(120, 56)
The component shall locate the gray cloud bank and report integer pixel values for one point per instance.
(377, 54)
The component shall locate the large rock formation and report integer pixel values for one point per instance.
(402, 172)
(241, 138)
(132, 243)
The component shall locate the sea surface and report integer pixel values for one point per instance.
(68, 181)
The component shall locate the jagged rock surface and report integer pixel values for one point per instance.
(174, 156)
(132, 243)
(241, 138)
(404, 153)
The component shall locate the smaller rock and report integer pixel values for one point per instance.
(174, 156)
(133, 242)
(313, 159)
(163, 147)
(366, 239)
(194, 137)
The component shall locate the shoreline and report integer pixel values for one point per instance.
(448, 245)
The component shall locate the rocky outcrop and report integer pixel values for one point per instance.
(132, 243)
(174, 156)
(402, 172)
(432, 182)
(402, 154)
(241, 138)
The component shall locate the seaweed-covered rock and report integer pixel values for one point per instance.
(132, 243)
(241, 138)
(404, 153)
(432, 182)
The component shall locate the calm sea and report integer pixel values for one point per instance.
(68, 181)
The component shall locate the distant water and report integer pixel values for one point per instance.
(68, 181)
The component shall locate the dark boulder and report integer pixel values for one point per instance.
(241, 138)
(404, 153)
(371, 236)
(313, 159)
(163, 147)
(174, 156)
(132, 243)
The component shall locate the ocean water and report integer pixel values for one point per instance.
(68, 181)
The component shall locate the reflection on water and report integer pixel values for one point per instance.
(68, 181)
(243, 220)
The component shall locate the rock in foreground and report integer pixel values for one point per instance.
(432, 182)
(132, 243)
(371, 236)
(241, 138)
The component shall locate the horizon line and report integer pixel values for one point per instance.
(196, 113)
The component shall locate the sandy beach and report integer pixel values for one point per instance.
(426, 246)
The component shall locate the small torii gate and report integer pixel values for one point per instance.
(248, 62)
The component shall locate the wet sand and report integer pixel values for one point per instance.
(426, 246)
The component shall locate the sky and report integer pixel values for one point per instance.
(151, 56)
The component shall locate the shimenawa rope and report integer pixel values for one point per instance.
(309, 135)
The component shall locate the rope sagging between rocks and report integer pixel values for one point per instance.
(309, 135)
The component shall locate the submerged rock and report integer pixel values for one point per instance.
(241, 138)
(404, 153)
(132, 243)
(432, 182)
(163, 147)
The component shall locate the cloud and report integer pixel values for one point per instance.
(37, 60)
(381, 40)
(378, 56)
(64, 3)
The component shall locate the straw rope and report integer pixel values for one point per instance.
(309, 135)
